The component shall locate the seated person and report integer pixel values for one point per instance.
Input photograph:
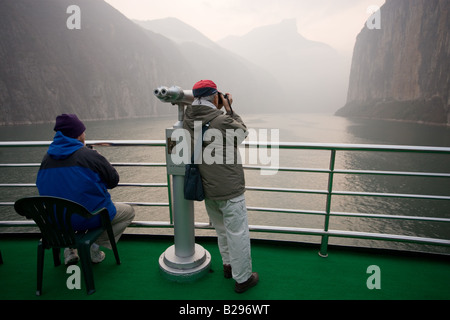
(75, 172)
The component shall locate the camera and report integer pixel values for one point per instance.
(225, 96)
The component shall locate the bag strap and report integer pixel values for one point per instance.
(198, 147)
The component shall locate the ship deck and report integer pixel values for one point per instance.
(288, 271)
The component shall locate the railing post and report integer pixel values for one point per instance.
(169, 197)
(324, 244)
(185, 260)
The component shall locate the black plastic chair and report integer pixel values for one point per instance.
(53, 217)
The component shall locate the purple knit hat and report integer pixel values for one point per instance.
(69, 125)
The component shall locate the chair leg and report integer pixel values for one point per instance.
(116, 253)
(86, 266)
(113, 243)
(1, 258)
(56, 256)
(40, 267)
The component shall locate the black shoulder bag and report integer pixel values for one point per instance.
(193, 186)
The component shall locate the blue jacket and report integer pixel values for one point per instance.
(70, 170)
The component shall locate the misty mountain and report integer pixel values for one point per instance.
(247, 82)
(313, 75)
(177, 31)
(109, 68)
(105, 70)
(402, 70)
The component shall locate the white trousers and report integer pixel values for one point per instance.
(229, 218)
(122, 219)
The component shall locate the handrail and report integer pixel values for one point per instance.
(112, 143)
(331, 171)
(253, 144)
(347, 147)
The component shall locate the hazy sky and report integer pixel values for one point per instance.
(335, 22)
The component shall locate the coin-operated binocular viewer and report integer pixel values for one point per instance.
(185, 260)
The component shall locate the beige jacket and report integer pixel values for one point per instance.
(223, 179)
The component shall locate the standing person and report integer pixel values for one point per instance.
(75, 172)
(223, 181)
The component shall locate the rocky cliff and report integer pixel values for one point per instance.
(402, 70)
(105, 70)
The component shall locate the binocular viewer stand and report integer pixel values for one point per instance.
(185, 260)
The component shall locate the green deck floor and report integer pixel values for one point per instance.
(288, 272)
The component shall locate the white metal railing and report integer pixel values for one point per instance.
(325, 233)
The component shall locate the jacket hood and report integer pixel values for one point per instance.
(62, 147)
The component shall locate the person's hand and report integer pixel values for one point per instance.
(227, 102)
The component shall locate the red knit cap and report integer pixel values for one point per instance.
(204, 88)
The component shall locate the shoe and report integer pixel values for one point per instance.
(227, 271)
(244, 286)
(97, 256)
(70, 256)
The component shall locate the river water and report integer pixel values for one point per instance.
(314, 128)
